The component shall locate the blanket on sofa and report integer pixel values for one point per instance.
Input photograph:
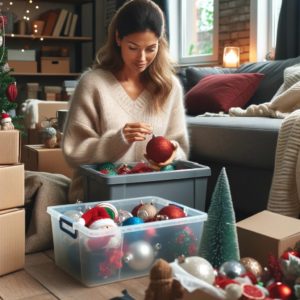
(42, 190)
(284, 197)
(285, 101)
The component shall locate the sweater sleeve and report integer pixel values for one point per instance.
(177, 128)
(84, 139)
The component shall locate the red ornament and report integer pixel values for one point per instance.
(140, 168)
(280, 290)
(172, 212)
(135, 209)
(12, 92)
(159, 149)
(285, 255)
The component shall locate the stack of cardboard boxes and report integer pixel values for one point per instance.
(35, 155)
(12, 213)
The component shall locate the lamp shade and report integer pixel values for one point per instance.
(231, 57)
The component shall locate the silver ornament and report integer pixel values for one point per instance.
(232, 269)
(123, 215)
(140, 255)
(75, 215)
(198, 267)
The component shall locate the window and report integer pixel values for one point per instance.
(196, 26)
(263, 30)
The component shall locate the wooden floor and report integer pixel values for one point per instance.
(41, 279)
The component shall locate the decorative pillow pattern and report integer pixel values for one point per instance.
(215, 93)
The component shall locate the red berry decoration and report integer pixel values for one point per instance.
(250, 291)
(280, 290)
(172, 212)
(12, 92)
(159, 149)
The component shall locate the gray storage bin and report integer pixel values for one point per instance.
(185, 185)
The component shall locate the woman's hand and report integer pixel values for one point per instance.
(157, 166)
(134, 132)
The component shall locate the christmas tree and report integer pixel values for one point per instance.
(8, 87)
(219, 239)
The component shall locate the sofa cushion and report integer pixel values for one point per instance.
(194, 74)
(239, 141)
(219, 92)
(273, 71)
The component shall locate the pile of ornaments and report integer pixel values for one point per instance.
(109, 168)
(247, 279)
(109, 249)
(105, 213)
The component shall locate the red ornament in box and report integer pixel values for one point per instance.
(171, 212)
(159, 149)
(285, 255)
(12, 92)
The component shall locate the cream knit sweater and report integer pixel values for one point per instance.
(99, 109)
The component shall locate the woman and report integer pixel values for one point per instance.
(129, 95)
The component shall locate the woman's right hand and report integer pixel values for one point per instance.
(134, 132)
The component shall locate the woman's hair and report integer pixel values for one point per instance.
(139, 16)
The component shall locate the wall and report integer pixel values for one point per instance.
(234, 27)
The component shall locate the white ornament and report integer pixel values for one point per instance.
(198, 267)
(1, 40)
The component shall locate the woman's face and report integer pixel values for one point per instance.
(138, 50)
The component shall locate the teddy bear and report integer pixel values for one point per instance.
(162, 284)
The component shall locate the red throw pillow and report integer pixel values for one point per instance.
(219, 92)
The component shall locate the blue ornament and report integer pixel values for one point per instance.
(132, 221)
(168, 168)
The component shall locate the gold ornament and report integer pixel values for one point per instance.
(252, 265)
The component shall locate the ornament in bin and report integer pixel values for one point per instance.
(147, 212)
(159, 149)
(170, 212)
(279, 290)
(136, 208)
(140, 255)
(98, 219)
(111, 210)
(252, 265)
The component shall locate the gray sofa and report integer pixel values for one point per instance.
(245, 146)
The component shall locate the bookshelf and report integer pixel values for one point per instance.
(81, 46)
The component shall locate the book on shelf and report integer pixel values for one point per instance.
(60, 22)
(50, 17)
(66, 28)
(73, 25)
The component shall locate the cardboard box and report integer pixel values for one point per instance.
(55, 64)
(11, 186)
(10, 147)
(21, 54)
(267, 232)
(48, 109)
(12, 240)
(23, 66)
(39, 158)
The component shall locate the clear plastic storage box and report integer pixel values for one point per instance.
(124, 252)
(186, 184)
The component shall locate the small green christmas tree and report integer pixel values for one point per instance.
(219, 241)
(8, 86)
